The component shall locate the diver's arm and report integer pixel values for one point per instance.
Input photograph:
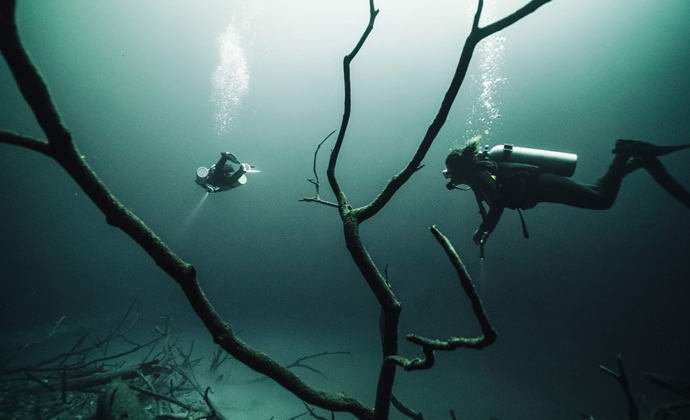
(487, 226)
(486, 185)
(221, 162)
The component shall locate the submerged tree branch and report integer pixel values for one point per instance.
(335, 186)
(319, 201)
(501, 24)
(376, 282)
(315, 181)
(15, 139)
(622, 378)
(64, 151)
(352, 218)
(477, 34)
(477, 15)
(405, 410)
(428, 345)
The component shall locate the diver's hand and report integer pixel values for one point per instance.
(480, 236)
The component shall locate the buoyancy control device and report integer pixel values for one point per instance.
(516, 157)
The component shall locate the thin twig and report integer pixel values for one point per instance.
(622, 378)
(313, 413)
(298, 362)
(318, 201)
(157, 396)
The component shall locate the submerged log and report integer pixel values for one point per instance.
(101, 378)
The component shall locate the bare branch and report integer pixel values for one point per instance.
(215, 413)
(361, 257)
(430, 345)
(476, 35)
(15, 139)
(157, 396)
(477, 15)
(529, 8)
(299, 362)
(313, 413)
(335, 186)
(30, 82)
(315, 180)
(622, 379)
(319, 201)
(405, 410)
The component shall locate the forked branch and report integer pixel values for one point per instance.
(476, 35)
(429, 346)
(622, 378)
(501, 24)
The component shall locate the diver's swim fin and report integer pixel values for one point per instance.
(637, 148)
(657, 170)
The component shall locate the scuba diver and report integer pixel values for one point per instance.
(519, 178)
(226, 174)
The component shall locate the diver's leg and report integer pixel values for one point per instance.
(552, 188)
(608, 185)
(600, 196)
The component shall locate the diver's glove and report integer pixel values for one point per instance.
(480, 236)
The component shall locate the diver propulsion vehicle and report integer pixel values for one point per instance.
(230, 178)
(558, 163)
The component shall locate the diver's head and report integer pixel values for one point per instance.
(460, 163)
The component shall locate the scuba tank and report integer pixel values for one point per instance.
(558, 163)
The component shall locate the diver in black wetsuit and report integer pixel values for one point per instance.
(221, 173)
(522, 186)
(226, 174)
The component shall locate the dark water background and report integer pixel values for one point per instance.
(132, 81)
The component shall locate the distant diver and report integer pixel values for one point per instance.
(226, 174)
(519, 178)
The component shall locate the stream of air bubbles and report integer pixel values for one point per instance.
(485, 113)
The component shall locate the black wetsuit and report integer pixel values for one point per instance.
(222, 172)
(525, 186)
